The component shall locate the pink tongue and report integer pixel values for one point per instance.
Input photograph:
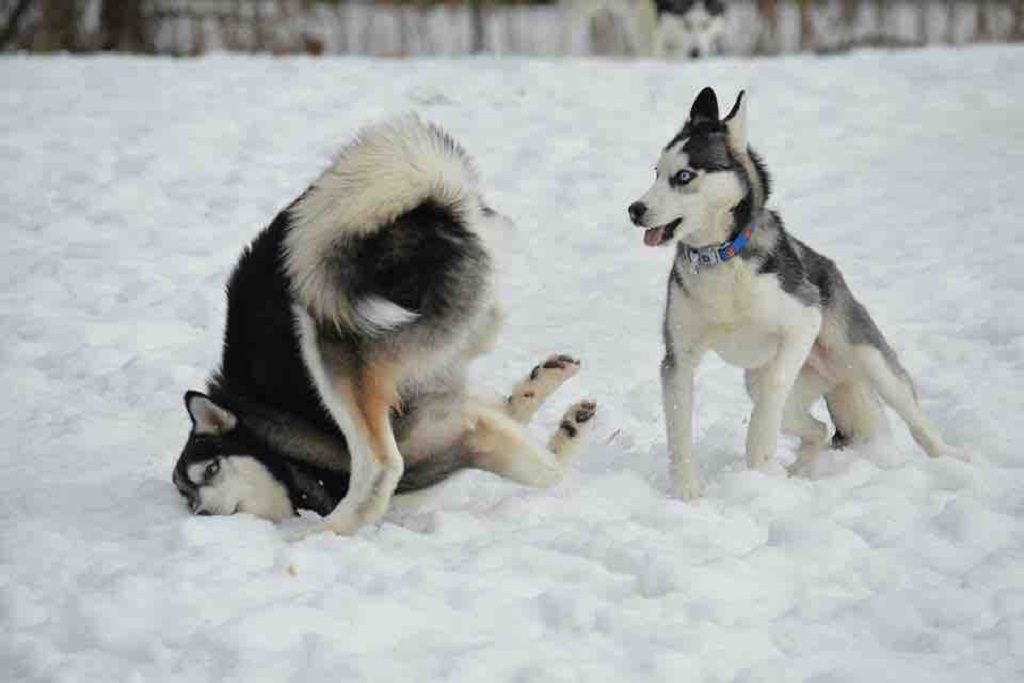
(652, 236)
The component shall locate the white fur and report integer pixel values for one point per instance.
(242, 484)
(375, 314)
(389, 169)
(680, 36)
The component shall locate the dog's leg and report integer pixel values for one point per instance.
(360, 404)
(677, 402)
(899, 394)
(377, 464)
(856, 412)
(498, 444)
(771, 386)
(534, 389)
(798, 421)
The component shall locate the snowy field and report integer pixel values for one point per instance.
(128, 187)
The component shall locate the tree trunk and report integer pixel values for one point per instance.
(122, 26)
(768, 37)
(951, 22)
(478, 42)
(922, 22)
(881, 21)
(13, 25)
(807, 39)
(849, 10)
(982, 28)
(59, 29)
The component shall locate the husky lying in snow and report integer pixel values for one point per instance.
(763, 300)
(351, 321)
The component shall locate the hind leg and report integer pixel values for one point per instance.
(856, 412)
(530, 393)
(498, 444)
(899, 394)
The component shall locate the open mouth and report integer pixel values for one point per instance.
(655, 237)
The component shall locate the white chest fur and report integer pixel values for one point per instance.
(734, 311)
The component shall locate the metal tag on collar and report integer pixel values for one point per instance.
(702, 258)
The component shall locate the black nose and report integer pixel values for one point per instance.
(636, 212)
(694, 53)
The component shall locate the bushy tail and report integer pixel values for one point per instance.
(856, 412)
(388, 170)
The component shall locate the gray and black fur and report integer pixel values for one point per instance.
(778, 308)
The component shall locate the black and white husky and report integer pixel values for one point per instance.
(763, 300)
(662, 28)
(688, 27)
(351, 321)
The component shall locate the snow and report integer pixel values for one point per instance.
(129, 186)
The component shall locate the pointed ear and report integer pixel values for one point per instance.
(736, 123)
(705, 107)
(207, 416)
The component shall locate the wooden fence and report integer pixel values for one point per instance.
(430, 27)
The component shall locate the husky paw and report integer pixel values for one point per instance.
(576, 423)
(559, 368)
(956, 452)
(542, 381)
(687, 489)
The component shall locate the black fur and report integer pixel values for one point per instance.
(426, 261)
(681, 7)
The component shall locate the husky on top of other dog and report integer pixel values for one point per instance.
(351, 321)
(688, 27)
(763, 300)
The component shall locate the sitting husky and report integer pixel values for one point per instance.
(351, 321)
(763, 300)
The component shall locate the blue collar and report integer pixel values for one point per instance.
(704, 257)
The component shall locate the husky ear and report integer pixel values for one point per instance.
(705, 107)
(207, 416)
(736, 123)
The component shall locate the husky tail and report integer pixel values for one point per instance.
(387, 172)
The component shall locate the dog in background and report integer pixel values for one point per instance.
(351, 321)
(659, 28)
(742, 286)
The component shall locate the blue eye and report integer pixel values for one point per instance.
(211, 470)
(683, 177)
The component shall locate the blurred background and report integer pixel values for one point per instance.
(401, 28)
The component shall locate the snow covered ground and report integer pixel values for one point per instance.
(128, 187)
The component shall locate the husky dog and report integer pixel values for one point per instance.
(688, 27)
(763, 300)
(663, 28)
(351, 321)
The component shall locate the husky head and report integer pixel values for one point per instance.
(219, 471)
(707, 180)
(691, 27)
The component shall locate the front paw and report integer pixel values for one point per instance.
(687, 489)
